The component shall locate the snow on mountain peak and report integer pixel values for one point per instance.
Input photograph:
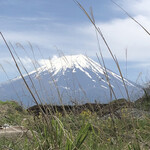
(71, 61)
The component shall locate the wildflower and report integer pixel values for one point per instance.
(86, 113)
(108, 139)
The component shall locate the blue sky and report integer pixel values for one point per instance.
(60, 26)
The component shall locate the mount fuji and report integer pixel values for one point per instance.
(69, 80)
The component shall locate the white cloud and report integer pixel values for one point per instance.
(139, 65)
(44, 62)
(136, 7)
(124, 33)
(54, 57)
(121, 34)
(47, 62)
(8, 64)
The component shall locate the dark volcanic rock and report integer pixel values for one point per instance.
(100, 109)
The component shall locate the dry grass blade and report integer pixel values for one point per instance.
(103, 38)
(18, 68)
(26, 73)
(22, 76)
(117, 63)
(132, 18)
(10, 81)
(97, 28)
(101, 55)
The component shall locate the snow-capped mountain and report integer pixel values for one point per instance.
(69, 79)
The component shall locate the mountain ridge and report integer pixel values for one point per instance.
(70, 79)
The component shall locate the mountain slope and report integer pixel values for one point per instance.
(69, 79)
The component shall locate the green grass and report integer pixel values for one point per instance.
(85, 131)
(13, 103)
(143, 103)
(11, 113)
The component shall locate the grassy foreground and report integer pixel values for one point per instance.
(86, 130)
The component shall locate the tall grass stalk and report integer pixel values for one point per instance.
(103, 38)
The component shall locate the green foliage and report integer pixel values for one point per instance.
(78, 131)
(14, 104)
(144, 102)
(79, 140)
(12, 113)
(85, 130)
